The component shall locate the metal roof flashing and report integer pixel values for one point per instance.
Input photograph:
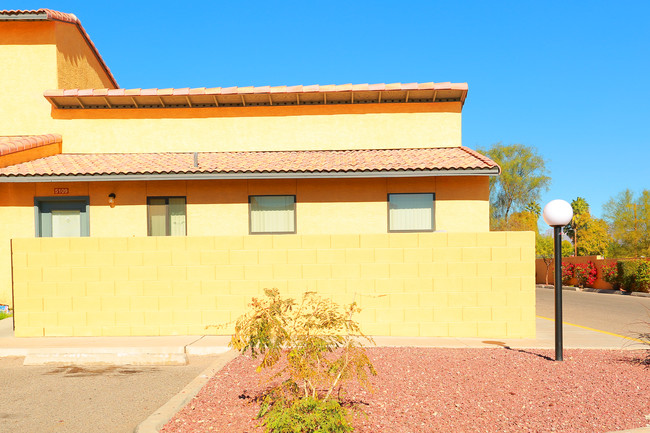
(269, 175)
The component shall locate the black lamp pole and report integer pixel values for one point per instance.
(558, 292)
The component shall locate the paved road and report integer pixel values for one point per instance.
(624, 315)
(87, 399)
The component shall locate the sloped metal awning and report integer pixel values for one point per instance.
(257, 96)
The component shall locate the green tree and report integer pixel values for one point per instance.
(593, 239)
(589, 234)
(580, 215)
(534, 208)
(523, 177)
(628, 219)
(567, 249)
(521, 221)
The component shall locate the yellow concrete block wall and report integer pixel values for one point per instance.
(324, 207)
(427, 284)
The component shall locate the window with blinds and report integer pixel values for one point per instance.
(411, 212)
(166, 216)
(272, 214)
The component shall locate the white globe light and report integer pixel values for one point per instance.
(558, 213)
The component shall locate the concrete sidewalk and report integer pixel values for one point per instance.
(173, 350)
(167, 350)
(574, 337)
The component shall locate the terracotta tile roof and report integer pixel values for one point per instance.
(330, 162)
(252, 96)
(16, 143)
(52, 15)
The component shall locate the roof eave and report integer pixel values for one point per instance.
(256, 96)
(493, 171)
(42, 16)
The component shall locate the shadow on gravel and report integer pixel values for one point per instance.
(505, 346)
(640, 357)
(532, 353)
(109, 370)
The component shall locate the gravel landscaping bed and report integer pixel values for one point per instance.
(457, 390)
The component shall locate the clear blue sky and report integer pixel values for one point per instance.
(570, 78)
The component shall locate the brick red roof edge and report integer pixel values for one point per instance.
(53, 15)
(277, 162)
(16, 143)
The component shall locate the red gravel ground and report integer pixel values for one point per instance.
(457, 390)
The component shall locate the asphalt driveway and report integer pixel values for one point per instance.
(620, 314)
(49, 399)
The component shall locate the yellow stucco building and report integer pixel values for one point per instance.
(161, 211)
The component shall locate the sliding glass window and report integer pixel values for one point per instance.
(166, 216)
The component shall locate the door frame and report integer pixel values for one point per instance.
(75, 202)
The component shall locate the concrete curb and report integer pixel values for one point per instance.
(589, 289)
(614, 292)
(160, 417)
(152, 350)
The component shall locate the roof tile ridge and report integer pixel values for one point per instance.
(392, 149)
(297, 150)
(49, 138)
(131, 153)
(185, 152)
(20, 143)
(480, 157)
(60, 16)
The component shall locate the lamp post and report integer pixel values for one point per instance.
(558, 213)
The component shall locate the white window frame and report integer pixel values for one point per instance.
(433, 213)
(250, 215)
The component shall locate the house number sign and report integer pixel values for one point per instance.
(61, 190)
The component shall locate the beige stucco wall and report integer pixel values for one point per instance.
(78, 66)
(36, 56)
(382, 126)
(28, 66)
